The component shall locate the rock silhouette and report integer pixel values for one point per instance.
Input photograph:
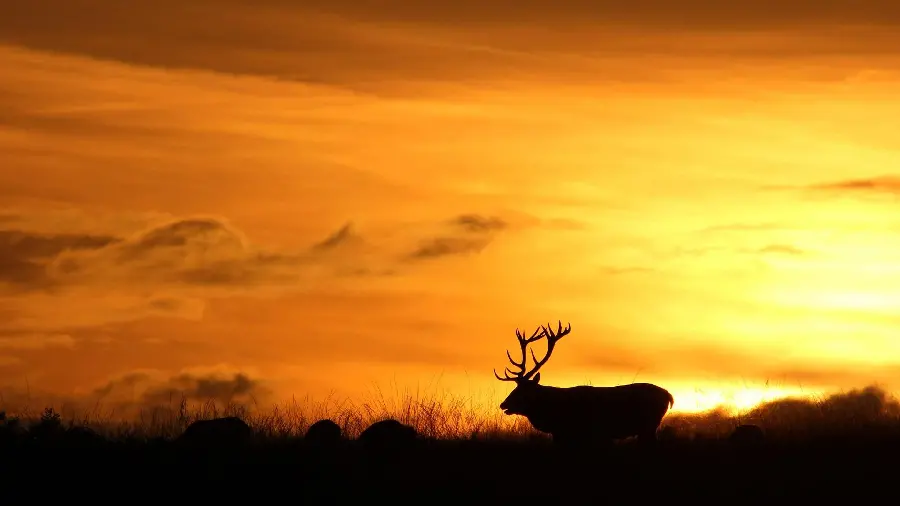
(323, 433)
(388, 433)
(227, 431)
(81, 437)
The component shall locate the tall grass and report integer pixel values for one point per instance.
(869, 411)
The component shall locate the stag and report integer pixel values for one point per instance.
(583, 413)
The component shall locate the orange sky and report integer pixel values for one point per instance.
(339, 195)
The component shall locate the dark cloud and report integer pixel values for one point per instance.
(207, 251)
(446, 246)
(342, 236)
(707, 14)
(154, 392)
(470, 233)
(166, 304)
(172, 268)
(478, 223)
(224, 390)
(196, 251)
(136, 391)
(24, 255)
(24, 244)
(361, 44)
(183, 232)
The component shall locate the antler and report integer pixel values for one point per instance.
(539, 333)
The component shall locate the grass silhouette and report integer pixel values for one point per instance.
(842, 444)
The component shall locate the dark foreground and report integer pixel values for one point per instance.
(467, 472)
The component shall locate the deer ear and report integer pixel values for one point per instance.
(537, 378)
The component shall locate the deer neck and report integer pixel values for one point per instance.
(544, 397)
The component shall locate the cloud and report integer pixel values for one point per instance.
(618, 271)
(189, 251)
(876, 185)
(781, 249)
(478, 223)
(471, 234)
(743, 227)
(358, 45)
(658, 14)
(16, 341)
(171, 268)
(208, 252)
(221, 388)
(128, 394)
(342, 236)
(447, 246)
(23, 254)
(66, 281)
(564, 224)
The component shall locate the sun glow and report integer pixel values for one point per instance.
(732, 399)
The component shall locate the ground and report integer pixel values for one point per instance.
(695, 471)
(843, 448)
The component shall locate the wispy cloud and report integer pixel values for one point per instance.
(146, 390)
(618, 271)
(353, 44)
(888, 184)
(17, 341)
(471, 234)
(866, 186)
(342, 236)
(782, 249)
(171, 267)
(23, 254)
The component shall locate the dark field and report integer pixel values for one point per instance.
(841, 448)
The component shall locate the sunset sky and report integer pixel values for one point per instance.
(277, 198)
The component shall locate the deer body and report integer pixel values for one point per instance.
(583, 413)
(587, 413)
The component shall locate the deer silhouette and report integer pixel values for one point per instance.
(581, 414)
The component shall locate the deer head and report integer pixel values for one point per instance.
(526, 380)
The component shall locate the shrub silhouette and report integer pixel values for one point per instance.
(48, 427)
(747, 435)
